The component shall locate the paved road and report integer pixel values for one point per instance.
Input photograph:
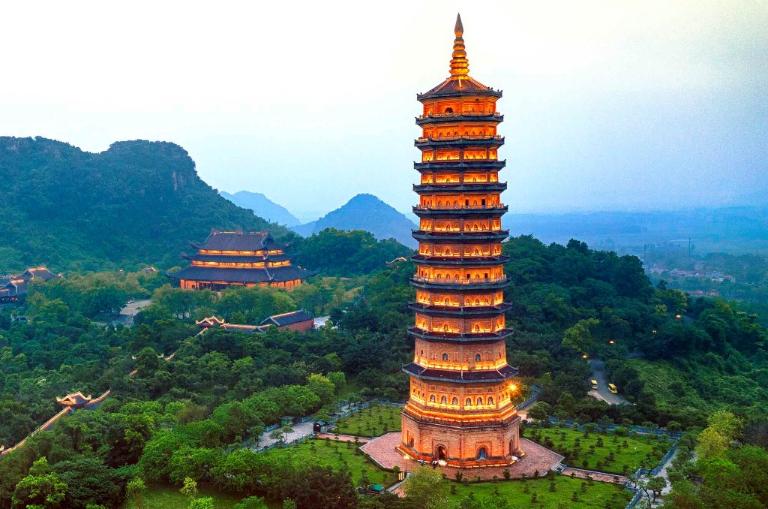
(299, 431)
(130, 310)
(602, 392)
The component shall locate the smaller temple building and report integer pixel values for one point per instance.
(299, 321)
(235, 258)
(15, 287)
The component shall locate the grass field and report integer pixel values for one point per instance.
(536, 494)
(339, 456)
(371, 422)
(602, 451)
(168, 497)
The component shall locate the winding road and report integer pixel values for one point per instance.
(602, 393)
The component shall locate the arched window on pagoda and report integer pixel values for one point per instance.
(479, 401)
(490, 400)
(445, 355)
(482, 453)
(455, 401)
(477, 357)
(443, 400)
(468, 402)
(432, 398)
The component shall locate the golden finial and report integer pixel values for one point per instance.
(459, 62)
(459, 28)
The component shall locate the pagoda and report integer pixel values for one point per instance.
(235, 258)
(460, 412)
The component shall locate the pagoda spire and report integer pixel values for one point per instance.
(459, 62)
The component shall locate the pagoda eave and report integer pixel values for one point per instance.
(473, 311)
(456, 165)
(461, 261)
(486, 187)
(490, 141)
(448, 337)
(466, 212)
(453, 93)
(461, 377)
(460, 237)
(451, 118)
(472, 286)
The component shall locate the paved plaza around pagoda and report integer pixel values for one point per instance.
(538, 460)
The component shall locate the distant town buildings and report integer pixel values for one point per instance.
(235, 258)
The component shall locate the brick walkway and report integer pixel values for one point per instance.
(537, 459)
(342, 438)
(595, 475)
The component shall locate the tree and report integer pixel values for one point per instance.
(189, 489)
(321, 386)
(426, 489)
(579, 336)
(201, 503)
(135, 491)
(42, 490)
(711, 444)
(656, 485)
(251, 503)
(725, 423)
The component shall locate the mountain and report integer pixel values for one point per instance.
(364, 212)
(138, 202)
(262, 207)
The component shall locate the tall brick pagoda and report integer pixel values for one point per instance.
(460, 412)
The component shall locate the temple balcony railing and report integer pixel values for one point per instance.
(453, 187)
(450, 284)
(491, 235)
(459, 311)
(459, 165)
(491, 211)
(469, 116)
(497, 138)
(437, 260)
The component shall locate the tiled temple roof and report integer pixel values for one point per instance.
(266, 275)
(284, 319)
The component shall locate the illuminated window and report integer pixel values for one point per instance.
(455, 401)
(445, 355)
(477, 357)
(443, 400)
(490, 400)
(479, 401)
(432, 398)
(468, 402)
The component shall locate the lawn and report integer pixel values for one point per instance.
(371, 422)
(538, 494)
(168, 497)
(607, 452)
(339, 456)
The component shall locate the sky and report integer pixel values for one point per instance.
(632, 105)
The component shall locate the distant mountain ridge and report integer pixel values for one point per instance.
(262, 207)
(138, 202)
(365, 212)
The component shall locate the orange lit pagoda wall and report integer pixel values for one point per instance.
(460, 408)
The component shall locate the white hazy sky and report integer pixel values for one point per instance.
(608, 105)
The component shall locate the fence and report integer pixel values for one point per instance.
(532, 397)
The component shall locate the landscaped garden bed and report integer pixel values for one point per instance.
(616, 452)
(554, 493)
(339, 456)
(371, 422)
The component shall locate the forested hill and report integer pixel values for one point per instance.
(139, 202)
(365, 212)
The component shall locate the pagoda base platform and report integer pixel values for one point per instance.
(538, 460)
